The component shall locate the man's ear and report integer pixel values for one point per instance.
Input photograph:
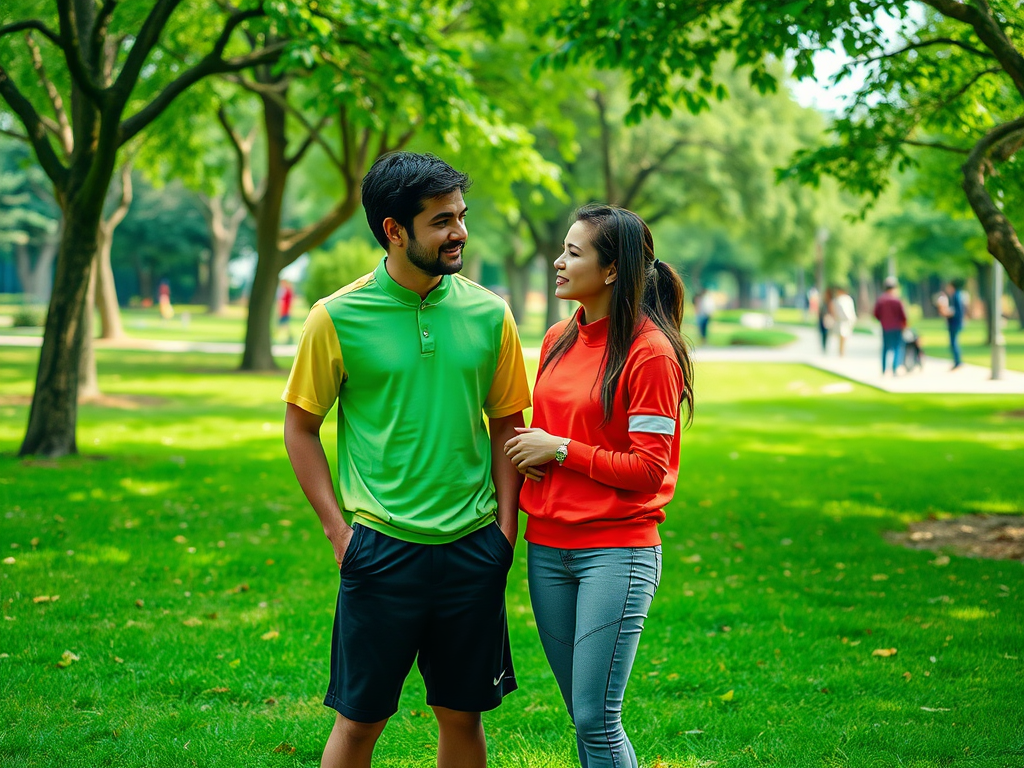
(613, 274)
(394, 232)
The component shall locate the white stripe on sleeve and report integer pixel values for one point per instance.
(658, 425)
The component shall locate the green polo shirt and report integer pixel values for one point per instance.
(413, 380)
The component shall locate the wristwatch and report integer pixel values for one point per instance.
(562, 452)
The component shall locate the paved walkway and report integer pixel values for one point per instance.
(862, 362)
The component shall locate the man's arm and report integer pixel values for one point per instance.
(507, 479)
(306, 453)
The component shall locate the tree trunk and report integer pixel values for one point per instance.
(1018, 301)
(258, 355)
(37, 280)
(865, 300)
(984, 271)
(223, 233)
(88, 380)
(518, 277)
(54, 410)
(744, 287)
(105, 290)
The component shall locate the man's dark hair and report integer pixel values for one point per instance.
(399, 184)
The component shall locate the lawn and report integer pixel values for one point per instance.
(196, 591)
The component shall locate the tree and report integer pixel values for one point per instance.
(119, 83)
(334, 99)
(29, 220)
(958, 73)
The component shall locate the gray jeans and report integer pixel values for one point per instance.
(590, 606)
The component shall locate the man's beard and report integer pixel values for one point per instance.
(431, 263)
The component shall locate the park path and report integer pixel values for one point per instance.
(862, 362)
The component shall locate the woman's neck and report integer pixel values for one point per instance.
(596, 308)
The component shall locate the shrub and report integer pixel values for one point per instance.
(29, 317)
(334, 268)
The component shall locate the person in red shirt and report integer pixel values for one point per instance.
(603, 456)
(285, 296)
(890, 313)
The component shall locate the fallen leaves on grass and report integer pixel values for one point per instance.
(727, 696)
(192, 621)
(9, 561)
(271, 635)
(884, 652)
(285, 748)
(180, 539)
(46, 599)
(936, 709)
(67, 659)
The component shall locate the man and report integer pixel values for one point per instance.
(890, 313)
(954, 309)
(414, 354)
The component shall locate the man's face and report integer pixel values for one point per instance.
(439, 235)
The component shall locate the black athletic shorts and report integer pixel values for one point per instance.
(444, 603)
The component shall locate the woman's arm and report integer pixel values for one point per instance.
(642, 468)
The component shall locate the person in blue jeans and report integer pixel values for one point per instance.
(602, 459)
(954, 309)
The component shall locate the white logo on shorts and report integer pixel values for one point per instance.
(500, 677)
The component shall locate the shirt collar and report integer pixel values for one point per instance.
(592, 334)
(403, 295)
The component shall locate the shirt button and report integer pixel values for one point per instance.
(426, 333)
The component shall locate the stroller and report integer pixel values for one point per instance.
(913, 357)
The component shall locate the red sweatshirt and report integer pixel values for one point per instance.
(618, 476)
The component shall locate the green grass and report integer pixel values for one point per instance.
(777, 586)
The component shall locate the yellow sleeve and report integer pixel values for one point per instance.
(318, 370)
(510, 391)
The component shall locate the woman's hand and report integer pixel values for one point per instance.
(531, 449)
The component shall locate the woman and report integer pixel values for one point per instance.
(603, 455)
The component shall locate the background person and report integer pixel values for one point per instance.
(889, 311)
(844, 315)
(285, 297)
(953, 307)
(603, 452)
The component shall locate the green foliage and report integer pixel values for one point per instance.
(335, 267)
(936, 74)
(172, 564)
(29, 317)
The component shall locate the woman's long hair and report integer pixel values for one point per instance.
(644, 287)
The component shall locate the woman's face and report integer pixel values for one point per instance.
(580, 276)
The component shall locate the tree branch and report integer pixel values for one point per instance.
(243, 150)
(296, 243)
(926, 44)
(936, 145)
(1003, 242)
(987, 29)
(35, 24)
(15, 135)
(274, 94)
(126, 198)
(99, 29)
(208, 66)
(62, 128)
(34, 129)
(72, 48)
(965, 88)
(144, 43)
(312, 136)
